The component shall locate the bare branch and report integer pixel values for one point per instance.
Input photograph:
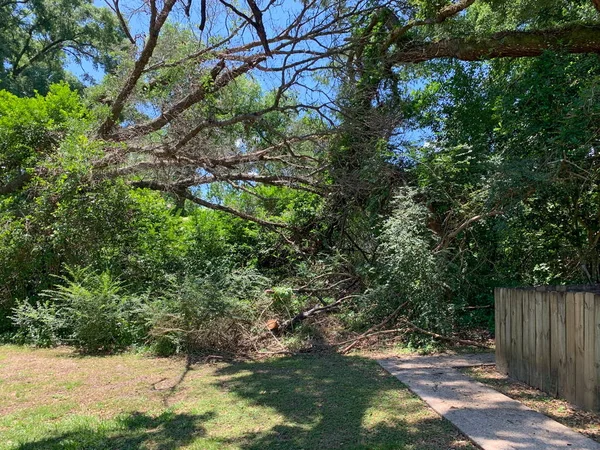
(115, 7)
(463, 226)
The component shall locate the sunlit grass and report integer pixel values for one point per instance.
(52, 399)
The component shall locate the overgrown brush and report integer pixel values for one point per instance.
(214, 311)
(94, 312)
(407, 272)
(91, 311)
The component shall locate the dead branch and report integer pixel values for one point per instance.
(413, 327)
(373, 328)
(311, 312)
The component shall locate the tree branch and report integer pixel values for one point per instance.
(157, 20)
(185, 193)
(450, 236)
(509, 44)
(442, 15)
(115, 7)
(311, 312)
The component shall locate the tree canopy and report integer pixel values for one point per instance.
(39, 36)
(390, 161)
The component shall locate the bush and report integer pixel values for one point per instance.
(40, 325)
(408, 271)
(214, 311)
(90, 311)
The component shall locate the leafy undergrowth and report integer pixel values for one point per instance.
(54, 399)
(584, 422)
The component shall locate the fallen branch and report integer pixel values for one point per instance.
(444, 338)
(411, 326)
(373, 328)
(363, 336)
(311, 312)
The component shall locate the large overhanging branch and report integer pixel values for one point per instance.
(186, 194)
(442, 15)
(509, 44)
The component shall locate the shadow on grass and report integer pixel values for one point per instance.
(133, 431)
(334, 402)
(298, 402)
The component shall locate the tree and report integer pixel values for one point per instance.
(187, 88)
(39, 35)
(207, 99)
(527, 165)
(175, 92)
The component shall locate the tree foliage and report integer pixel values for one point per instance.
(337, 156)
(39, 36)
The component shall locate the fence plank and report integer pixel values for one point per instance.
(570, 380)
(540, 347)
(497, 322)
(597, 350)
(501, 364)
(545, 350)
(561, 340)
(507, 328)
(518, 305)
(514, 359)
(579, 349)
(533, 375)
(589, 347)
(552, 384)
(528, 356)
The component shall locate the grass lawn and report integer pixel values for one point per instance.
(54, 399)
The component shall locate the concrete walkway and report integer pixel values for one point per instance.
(490, 419)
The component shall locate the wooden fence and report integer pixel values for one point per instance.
(549, 338)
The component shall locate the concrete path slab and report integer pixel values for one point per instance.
(492, 420)
(443, 361)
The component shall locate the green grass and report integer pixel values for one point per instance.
(51, 399)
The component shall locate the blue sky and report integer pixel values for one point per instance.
(275, 19)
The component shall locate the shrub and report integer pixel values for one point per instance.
(40, 325)
(214, 311)
(90, 311)
(408, 271)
